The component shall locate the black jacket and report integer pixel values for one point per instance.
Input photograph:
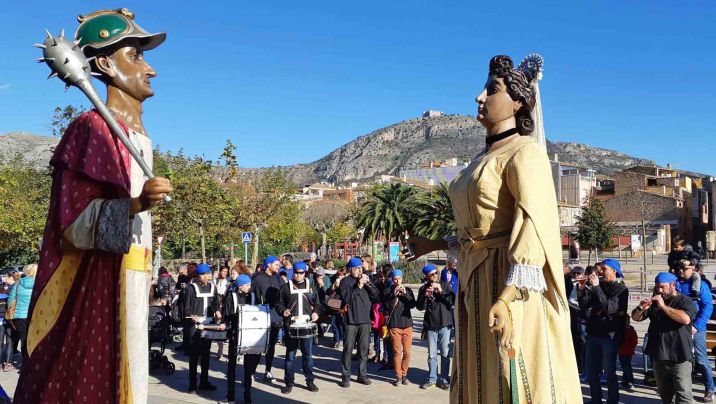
(194, 305)
(266, 287)
(608, 304)
(288, 300)
(688, 253)
(165, 287)
(397, 308)
(228, 312)
(359, 301)
(438, 307)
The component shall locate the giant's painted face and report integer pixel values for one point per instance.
(494, 104)
(128, 71)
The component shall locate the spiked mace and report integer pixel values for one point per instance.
(67, 61)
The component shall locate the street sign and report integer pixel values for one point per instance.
(246, 237)
(160, 239)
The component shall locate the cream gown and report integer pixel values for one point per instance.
(506, 213)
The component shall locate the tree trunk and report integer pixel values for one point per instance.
(203, 249)
(589, 258)
(643, 248)
(324, 252)
(255, 254)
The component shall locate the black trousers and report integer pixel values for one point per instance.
(251, 362)
(273, 337)
(198, 353)
(21, 329)
(361, 334)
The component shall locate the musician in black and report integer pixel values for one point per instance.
(358, 294)
(202, 302)
(265, 285)
(240, 294)
(299, 289)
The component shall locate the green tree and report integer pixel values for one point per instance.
(388, 212)
(231, 163)
(594, 230)
(24, 199)
(434, 217)
(62, 117)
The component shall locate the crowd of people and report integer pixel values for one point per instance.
(675, 343)
(15, 293)
(367, 308)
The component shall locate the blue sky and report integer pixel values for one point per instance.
(290, 81)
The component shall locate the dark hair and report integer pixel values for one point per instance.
(519, 88)
(288, 257)
(679, 240)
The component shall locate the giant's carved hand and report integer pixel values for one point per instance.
(500, 322)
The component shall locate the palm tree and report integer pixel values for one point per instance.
(389, 211)
(435, 218)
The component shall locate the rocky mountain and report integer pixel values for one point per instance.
(32, 150)
(417, 141)
(385, 151)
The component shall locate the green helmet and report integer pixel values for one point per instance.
(105, 28)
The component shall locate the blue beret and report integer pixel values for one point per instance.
(396, 272)
(269, 260)
(354, 263)
(203, 269)
(429, 268)
(613, 264)
(300, 266)
(665, 277)
(242, 280)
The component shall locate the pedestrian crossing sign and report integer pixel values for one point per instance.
(246, 237)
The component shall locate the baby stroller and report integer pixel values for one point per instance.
(159, 327)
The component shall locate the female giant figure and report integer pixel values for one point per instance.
(513, 341)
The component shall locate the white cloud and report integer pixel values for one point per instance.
(4, 86)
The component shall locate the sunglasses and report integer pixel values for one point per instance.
(299, 273)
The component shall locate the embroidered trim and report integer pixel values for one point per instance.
(478, 348)
(528, 277)
(549, 353)
(525, 382)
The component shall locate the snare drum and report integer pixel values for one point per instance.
(305, 330)
(253, 329)
(212, 335)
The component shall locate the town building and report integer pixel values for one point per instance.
(434, 173)
(431, 113)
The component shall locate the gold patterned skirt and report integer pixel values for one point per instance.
(543, 369)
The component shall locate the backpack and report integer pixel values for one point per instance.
(378, 318)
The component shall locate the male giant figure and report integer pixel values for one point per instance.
(87, 338)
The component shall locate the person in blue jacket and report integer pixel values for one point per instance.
(20, 295)
(704, 307)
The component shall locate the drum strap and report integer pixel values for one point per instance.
(204, 296)
(236, 301)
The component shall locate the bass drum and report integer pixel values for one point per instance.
(253, 329)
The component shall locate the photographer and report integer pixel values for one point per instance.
(437, 299)
(357, 296)
(670, 344)
(607, 299)
(398, 301)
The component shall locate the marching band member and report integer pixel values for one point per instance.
(202, 301)
(241, 294)
(399, 300)
(266, 285)
(288, 307)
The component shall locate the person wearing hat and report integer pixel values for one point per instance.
(240, 294)
(398, 300)
(266, 285)
(357, 297)
(201, 304)
(437, 300)
(98, 223)
(607, 299)
(670, 345)
(689, 283)
(287, 305)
